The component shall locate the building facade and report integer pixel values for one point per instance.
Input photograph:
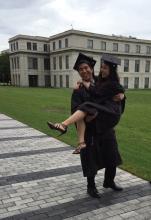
(45, 62)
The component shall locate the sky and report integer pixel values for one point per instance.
(49, 17)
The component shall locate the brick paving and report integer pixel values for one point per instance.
(40, 179)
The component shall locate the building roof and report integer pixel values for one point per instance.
(113, 37)
(102, 36)
(28, 37)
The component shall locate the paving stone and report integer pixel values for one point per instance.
(41, 179)
(129, 214)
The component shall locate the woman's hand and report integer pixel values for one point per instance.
(82, 83)
(119, 97)
(79, 84)
(86, 84)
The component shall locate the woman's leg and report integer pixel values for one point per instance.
(75, 117)
(62, 127)
(81, 131)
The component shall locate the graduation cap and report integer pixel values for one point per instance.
(111, 59)
(82, 58)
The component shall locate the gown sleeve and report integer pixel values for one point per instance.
(76, 100)
(105, 92)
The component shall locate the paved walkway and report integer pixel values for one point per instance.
(41, 179)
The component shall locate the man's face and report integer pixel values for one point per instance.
(86, 72)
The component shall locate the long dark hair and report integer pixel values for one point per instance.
(113, 76)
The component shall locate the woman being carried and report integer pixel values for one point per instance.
(101, 106)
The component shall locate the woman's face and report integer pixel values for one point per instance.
(105, 70)
(85, 71)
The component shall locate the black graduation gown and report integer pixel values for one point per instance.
(108, 111)
(102, 149)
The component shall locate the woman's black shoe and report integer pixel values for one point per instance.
(57, 127)
(113, 186)
(93, 192)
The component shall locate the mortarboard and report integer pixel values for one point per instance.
(111, 59)
(82, 58)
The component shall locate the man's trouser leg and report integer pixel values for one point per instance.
(91, 188)
(110, 173)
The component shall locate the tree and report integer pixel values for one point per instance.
(5, 76)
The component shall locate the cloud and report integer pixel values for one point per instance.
(16, 4)
(47, 17)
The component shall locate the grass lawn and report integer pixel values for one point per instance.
(34, 106)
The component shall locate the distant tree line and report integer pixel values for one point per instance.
(5, 76)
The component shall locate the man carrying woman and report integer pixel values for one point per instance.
(99, 148)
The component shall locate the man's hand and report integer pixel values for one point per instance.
(119, 97)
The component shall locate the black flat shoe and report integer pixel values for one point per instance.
(57, 127)
(113, 186)
(93, 192)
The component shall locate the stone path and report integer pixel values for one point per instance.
(40, 179)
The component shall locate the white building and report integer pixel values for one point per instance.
(41, 61)
(5, 51)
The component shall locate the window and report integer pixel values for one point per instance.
(54, 63)
(55, 81)
(67, 81)
(46, 47)
(54, 45)
(147, 66)
(60, 44)
(46, 64)
(67, 62)
(115, 47)
(60, 62)
(11, 47)
(17, 59)
(15, 64)
(47, 81)
(138, 48)
(148, 50)
(136, 82)
(16, 45)
(34, 46)
(66, 42)
(19, 79)
(127, 48)
(32, 63)
(12, 61)
(126, 82)
(28, 45)
(61, 82)
(146, 83)
(13, 79)
(90, 44)
(137, 65)
(126, 65)
(103, 45)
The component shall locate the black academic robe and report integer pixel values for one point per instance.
(101, 104)
(102, 149)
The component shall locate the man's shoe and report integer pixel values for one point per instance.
(113, 186)
(93, 192)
